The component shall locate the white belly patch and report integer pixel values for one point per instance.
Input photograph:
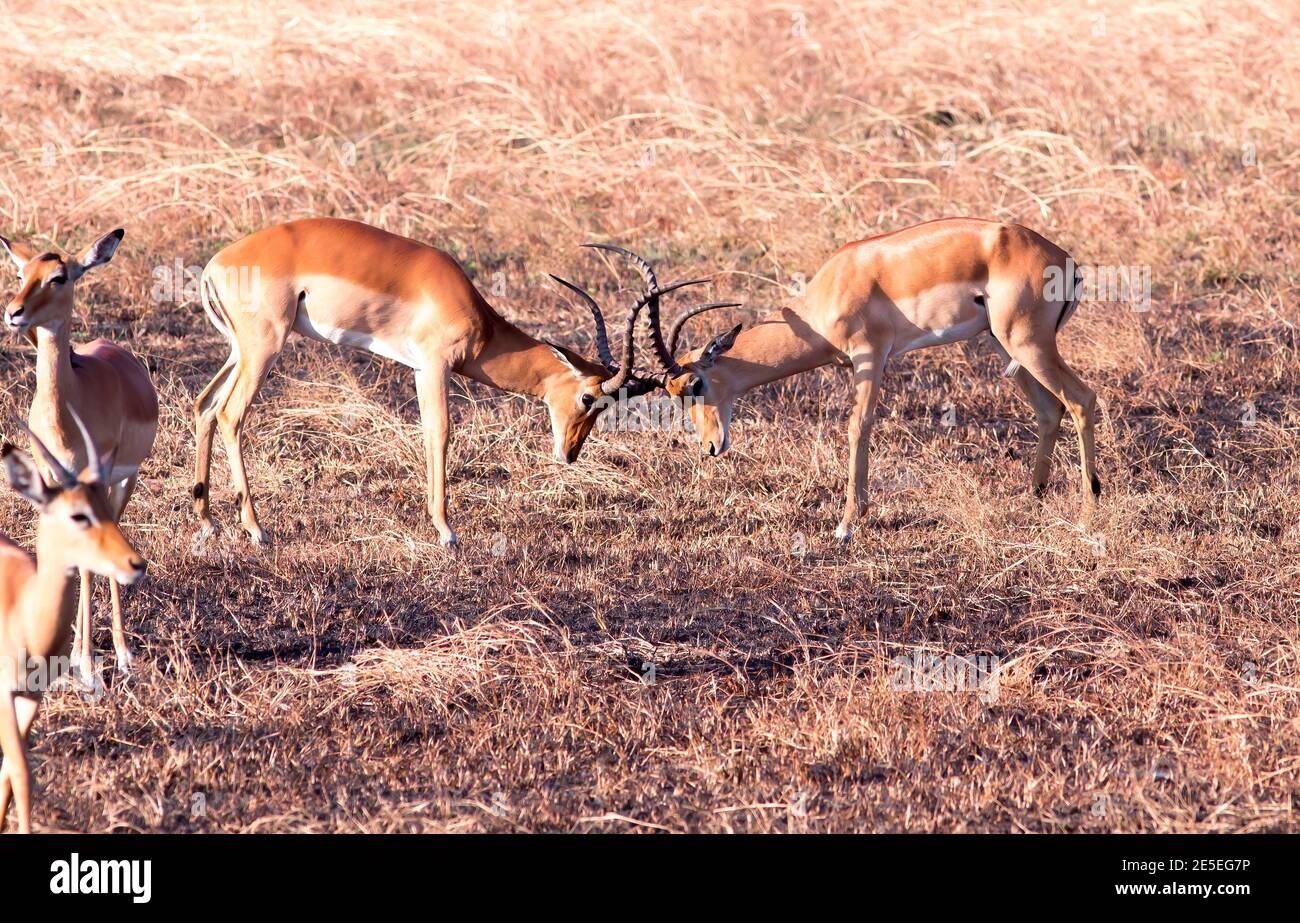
(940, 315)
(404, 352)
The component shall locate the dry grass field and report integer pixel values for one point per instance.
(354, 676)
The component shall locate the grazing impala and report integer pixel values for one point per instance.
(933, 283)
(77, 529)
(102, 382)
(348, 283)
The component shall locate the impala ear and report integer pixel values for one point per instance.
(563, 356)
(721, 343)
(97, 254)
(19, 253)
(24, 476)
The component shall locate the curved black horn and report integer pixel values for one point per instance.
(602, 336)
(655, 335)
(652, 291)
(640, 262)
(676, 332)
(612, 385)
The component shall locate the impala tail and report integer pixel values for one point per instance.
(1072, 294)
(211, 300)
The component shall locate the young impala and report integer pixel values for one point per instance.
(348, 283)
(932, 283)
(102, 382)
(77, 528)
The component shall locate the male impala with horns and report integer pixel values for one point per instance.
(348, 283)
(933, 283)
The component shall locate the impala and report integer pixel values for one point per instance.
(933, 283)
(101, 382)
(77, 528)
(351, 284)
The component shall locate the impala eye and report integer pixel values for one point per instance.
(588, 400)
(696, 387)
(56, 280)
(82, 520)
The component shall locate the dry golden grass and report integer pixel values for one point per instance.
(356, 677)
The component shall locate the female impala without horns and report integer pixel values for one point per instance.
(933, 283)
(101, 382)
(348, 283)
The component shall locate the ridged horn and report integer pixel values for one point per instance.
(612, 385)
(675, 334)
(602, 336)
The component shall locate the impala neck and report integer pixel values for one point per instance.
(55, 379)
(514, 361)
(51, 591)
(774, 348)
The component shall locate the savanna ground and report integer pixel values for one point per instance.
(356, 677)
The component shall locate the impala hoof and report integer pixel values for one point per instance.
(448, 539)
(258, 536)
(89, 685)
(124, 660)
(843, 533)
(82, 669)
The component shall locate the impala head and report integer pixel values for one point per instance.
(708, 396)
(692, 380)
(44, 297)
(577, 399)
(77, 517)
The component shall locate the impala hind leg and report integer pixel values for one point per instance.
(1049, 412)
(254, 363)
(17, 713)
(431, 390)
(868, 368)
(205, 427)
(1045, 364)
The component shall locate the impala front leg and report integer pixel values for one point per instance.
(83, 646)
(119, 496)
(431, 389)
(868, 367)
(16, 716)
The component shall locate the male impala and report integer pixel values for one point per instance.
(932, 283)
(103, 383)
(77, 529)
(348, 283)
